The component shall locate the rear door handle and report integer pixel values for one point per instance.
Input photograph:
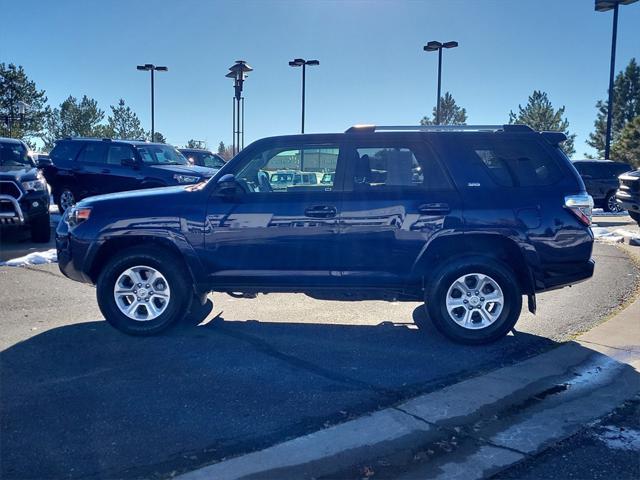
(434, 208)
(321, 211)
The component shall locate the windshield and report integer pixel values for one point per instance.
(161, 155)
(14, 154)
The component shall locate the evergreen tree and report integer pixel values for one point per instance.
(73, 119)
(626, 107)
(539, 114)
(123, 123)
(158, 137)
(195, 144)
(15, 87)
(450, 113)
(627, 146)
(224, 151)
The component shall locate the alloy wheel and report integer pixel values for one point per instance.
(142, 293)
(474, 301)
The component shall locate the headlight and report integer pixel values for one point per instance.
(76, 215)
(34, 185)
(186, 178)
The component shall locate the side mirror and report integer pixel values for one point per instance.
(129, 162)
(228, 186)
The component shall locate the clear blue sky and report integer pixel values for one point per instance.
(373, 69)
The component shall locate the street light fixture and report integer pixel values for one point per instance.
(152, 68)
(238, 71)
(605, 6)
(301, 62)
(438, 46)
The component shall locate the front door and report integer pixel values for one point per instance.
(397, 197)
(270, 232)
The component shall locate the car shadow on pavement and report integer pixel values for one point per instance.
(85, 400)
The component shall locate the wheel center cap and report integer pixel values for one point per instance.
(142, 292)
(474, 301)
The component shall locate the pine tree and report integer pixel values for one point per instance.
(157, 137)
(627, 146)
(450, 113)
(123, 123)
(224, 151)
(15, 87)
(626, 107)
(539, 114)
(73, 119)
(195, 144)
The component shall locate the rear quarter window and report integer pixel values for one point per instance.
(65, 151)
(514, 161)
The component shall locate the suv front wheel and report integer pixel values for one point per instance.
(144, 291)
(474, 300)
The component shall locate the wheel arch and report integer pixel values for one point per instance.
(498, 247)
(181, 250)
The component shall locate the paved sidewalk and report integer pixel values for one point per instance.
(472, 429)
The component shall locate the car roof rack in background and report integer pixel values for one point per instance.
(438, 128)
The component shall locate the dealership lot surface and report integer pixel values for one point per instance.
(80, 399)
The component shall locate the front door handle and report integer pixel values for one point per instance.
(321, 211)
(434, 208)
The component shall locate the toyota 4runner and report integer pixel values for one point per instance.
(466, 219)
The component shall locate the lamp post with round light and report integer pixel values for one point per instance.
(438, 46)
(148, 67)
(301, 62)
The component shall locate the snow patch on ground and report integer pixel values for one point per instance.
(34, 258)
(599, 212)
(605, 235)
(620, 438)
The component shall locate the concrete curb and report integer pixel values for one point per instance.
(489, 422)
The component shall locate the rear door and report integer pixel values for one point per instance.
(90, 169)
(121, 177)
(397, 197)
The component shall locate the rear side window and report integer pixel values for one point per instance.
(65, 151)
(392, 167)
(515, 161)
(94, 152)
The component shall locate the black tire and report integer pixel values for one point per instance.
(436, 295)
(635, 216)
(169, 265)
(41, 229)
(60, 194)
(610, 204)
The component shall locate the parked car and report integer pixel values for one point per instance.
(285, 179)
(203, 158)
(82, 167)
(24, 196)
(628, 195)
(600, 177)
(497, 213)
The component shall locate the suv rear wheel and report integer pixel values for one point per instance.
(66, 198)
(474, 300)
(144, 291)
(611, 205)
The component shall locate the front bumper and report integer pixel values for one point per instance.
(72, 254)
(19, 211)
(628, 202)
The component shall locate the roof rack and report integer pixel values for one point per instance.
(439, 128)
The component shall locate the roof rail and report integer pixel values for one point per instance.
(438, 128)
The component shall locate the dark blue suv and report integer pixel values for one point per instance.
(465, 219)
(81, 167)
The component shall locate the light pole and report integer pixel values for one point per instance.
(604, 6)
(238, 71)
(152, 68)
(10, 118)
(301, 62)
(432, 47)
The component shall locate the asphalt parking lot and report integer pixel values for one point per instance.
(80, 400)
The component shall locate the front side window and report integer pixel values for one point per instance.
(161, 155)
(290, 169)
(118, 153)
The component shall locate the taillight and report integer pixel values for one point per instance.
(581, 206)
